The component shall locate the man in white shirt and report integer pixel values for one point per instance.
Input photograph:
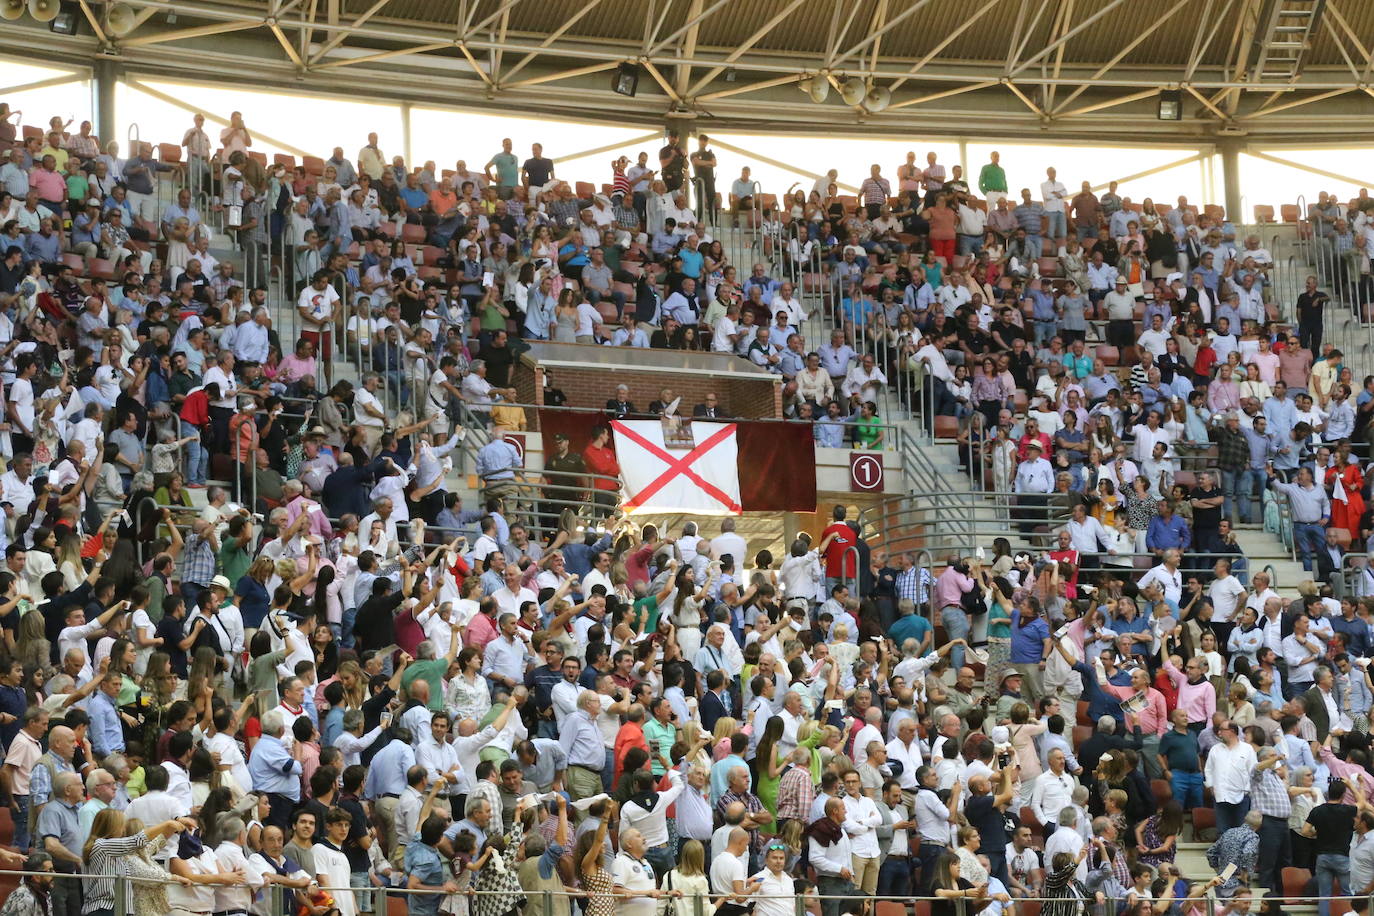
(1230, 765)
(1067, 839)
(1225, 592)
(438, 756)
(905, 749)
(633, 876)
(834, 862)
(652, 822)
(861, 822)
(730, 542)
(1054, 194)
(1053, 789)
(506, 658)
(513, 596)
(229, 853)
(331, 864)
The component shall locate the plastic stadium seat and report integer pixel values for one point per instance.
(99, 267)
(585, 189)
(1296, 881)
(430, 254)
(1129, 356)
(1264, 213)
(168, 152)
(606, 308)
(430, 272)
(1081, 733)
(32, 131)
(1029, 819)
(1049, 267)
(259, 158)
(1185, 479)
(922, 907)
(628, 289)
(413, 232)
(1289, 212)
(1109, 355)
(851, 203)
(1134, 207)
(313, 165)
(284, 159)
(1204, 819)
(888, 908)
(946, 427)
(1028, 908)
(355, 251)
(75, 262)
(1215, 211)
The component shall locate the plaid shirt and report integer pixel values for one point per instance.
(625, 217)
(564, 212)
(914, 584)
(752, 805)
(1268, 794)
(795, 793)
(199, 565)
(1233, 450)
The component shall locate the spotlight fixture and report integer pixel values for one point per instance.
(626, 79)
(852, 91)
(1171, 105)
(878, 98)
(817, 86)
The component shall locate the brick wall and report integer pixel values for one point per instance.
(745, 398)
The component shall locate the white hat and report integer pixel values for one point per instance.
(1173, 278)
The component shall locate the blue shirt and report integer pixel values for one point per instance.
(829, 433)
(912, 626)
(424, 863)
(415, 198)
(273, 769)
(106, 734)
(691, 262)
(1162, 535)
(386, 775)
(333, 726)
(720, 776)
(1028, 642)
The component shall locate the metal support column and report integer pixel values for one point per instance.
(1230, 177)
(105, 75)
(405, 132)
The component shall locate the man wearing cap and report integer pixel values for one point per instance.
(1120, 307)
(1034, 483)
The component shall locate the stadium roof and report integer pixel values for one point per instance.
(1093, 70)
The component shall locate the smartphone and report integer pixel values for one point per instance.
(386, 719)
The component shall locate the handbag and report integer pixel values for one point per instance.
(670, 908)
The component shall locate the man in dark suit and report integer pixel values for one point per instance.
(659, 406)
(715, 703)
(710, 410)
(1330, 558)
(1320, 702)
(620, 405)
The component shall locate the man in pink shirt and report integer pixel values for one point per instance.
(1153, 719)
(1196, 696)
(950, 588)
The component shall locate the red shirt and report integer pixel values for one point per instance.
(1206, 359)
(601, 460)
(196, 408)
(835, 559)
(631, 734)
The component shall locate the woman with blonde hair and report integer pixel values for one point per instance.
(691, 736)
(113, 841)
(688, 879)
(720, 737)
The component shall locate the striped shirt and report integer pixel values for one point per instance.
(99, 892)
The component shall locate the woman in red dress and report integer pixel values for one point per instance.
(1346, 513)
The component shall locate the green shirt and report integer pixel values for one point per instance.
(429, 670)
(157, 590)
(78, 188)
(992, 178)
(660, 739)
(648, 605)
(492, 319)
(234, 562)
(507, 169)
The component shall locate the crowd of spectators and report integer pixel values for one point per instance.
(316, 692)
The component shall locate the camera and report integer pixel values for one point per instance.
(1004, 759)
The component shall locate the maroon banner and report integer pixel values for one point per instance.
(777, 467)
(777, 461)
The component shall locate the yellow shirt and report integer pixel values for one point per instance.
(60, 157)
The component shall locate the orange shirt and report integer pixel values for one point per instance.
(442, 201)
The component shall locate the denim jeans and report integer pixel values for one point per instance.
(1231, 814)
(1333, 876)
(1187, 788)
(1308, 538)
(894, 877)
(197, 456)
(21, 822)
(955, 621)
(1056, 226)
(350, 614)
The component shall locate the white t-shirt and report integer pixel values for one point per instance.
(226, 383)
(634, 875)
(725, 871)
(332, 867)
(319, 303)
(143, 622)
(1225, 593)
(361, 398)
(21, 395)
(231, 755)
(587, 320)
